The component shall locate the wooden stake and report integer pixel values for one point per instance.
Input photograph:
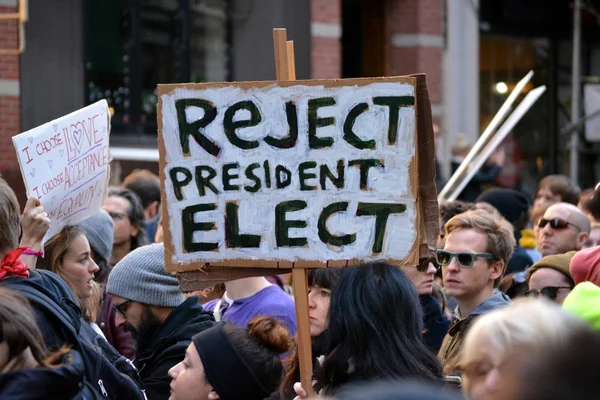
(303, 338)
(285, 68)
(291, 61)
(281, 58)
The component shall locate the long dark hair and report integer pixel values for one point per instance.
(325, 278)
(374, 326)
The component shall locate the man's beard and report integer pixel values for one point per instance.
(143, 335)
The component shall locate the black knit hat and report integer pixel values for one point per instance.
(509, 203)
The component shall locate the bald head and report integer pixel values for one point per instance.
(573, 215)
(565, 228)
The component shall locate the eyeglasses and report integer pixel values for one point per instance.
(424, 264)
(465, 260)
(550, 292)
(120, 308)
(556, 224)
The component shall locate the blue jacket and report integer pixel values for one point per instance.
(62, 382)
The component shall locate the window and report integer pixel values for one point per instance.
(133, 45)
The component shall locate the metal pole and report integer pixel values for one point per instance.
(576, 91)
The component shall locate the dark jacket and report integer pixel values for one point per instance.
(169, 345)
(61, 382)
(435, 323)
(520, 260)
(116, 336)
(486, 175)
(450, 352)
(43, 281)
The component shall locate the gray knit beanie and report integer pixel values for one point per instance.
(140, 276)
(100, 234)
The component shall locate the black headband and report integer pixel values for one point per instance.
(224, 367)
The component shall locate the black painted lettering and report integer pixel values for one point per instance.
(282, 225)
(228, 176)
(304, 174)
(349, 135)
(338, 181)
(190, 226)
(381, 211)
(314, 122)
(283, 177)
(175, 173)
(232, 230)
(230, 126)
(250, 175)
(364, 165)
(267, 169)
(203, 182)
(394, 103)
(194, 129)
(292, 119)
(324, 234)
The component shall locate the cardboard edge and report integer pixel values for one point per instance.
(177, 268)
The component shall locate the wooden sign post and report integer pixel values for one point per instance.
(285, 67)
(265, 178)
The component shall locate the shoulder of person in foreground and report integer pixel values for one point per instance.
(61, 380)
(401, 390)
(156, 382)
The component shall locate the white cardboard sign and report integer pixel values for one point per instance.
(65, 164)
(264, 171)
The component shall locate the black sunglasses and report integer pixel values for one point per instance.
(120, 307)
(550, 292)
(556, 224)
(424, 264)
(465, 260)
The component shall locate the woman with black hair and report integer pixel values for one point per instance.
(375, 327)
(232, 363)
(321, 283)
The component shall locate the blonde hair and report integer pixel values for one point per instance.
(534, 324)
(500, 235)
(55, 250)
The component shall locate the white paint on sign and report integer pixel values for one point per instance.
(386, 184)
(65, 164)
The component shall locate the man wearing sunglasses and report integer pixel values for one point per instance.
(563, 228)
(477, 248)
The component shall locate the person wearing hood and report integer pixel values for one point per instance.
(162, 322)
(27, 369)
(514, 207)
(477, 248)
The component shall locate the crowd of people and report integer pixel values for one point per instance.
(507, 307)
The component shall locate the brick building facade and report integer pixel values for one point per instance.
(414, 44)
(399, 37)
(10, 107)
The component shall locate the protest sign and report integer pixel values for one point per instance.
(65, 164)
(260, 174)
